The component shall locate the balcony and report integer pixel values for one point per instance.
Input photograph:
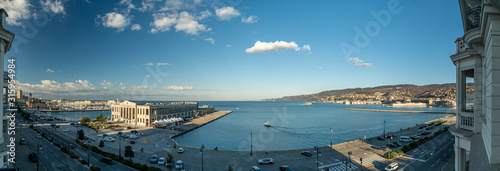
(473, 19)
(467, 121)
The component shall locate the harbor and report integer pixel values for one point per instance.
(402, 111)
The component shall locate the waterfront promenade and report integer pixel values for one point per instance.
(402, 111)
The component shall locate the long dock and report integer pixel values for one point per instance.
(198, 122)
(402, 111)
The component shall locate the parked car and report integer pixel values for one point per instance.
(109, 139)
(33, 157)
(306, 153)
(380, 138)
(72, 123)
(181, 150)
(415, 137)
(66, 130)
(405, 139)
(107, 160)
(162, 161)
(285, 168)
(426, 133)
(23, 141)
(38, 136)
(133, 136)
(392, 166)
(266, 161)
(179, 164)
(132, 142)
(255, 168)
(70, 146)
(392, 145)
(153, 159)
(397, 143)
(134, 132)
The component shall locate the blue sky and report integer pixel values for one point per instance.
(227, 50)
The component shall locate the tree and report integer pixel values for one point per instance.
(81, 134)
(85, 120)
(170, 159)
(101, 144)
(129, 153)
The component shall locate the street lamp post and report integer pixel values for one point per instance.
(251, 148)
(349, 153)
(384, 130)
(38, 146)
(318, 152)
(331, 138)
(201, 150)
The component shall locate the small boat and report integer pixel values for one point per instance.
(267, 124)
(308, 103)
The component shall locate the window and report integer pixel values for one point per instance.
(468, 91)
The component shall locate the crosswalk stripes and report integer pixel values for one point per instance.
(342, 167)
(368, 162)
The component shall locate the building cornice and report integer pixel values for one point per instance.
(7, 36)
(469, 53)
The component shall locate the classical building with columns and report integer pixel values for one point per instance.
(477, 61)
(145, 114)
(6, 38)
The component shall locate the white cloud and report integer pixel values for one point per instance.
(51, 86)
(136, 27)
(162, 22)
(306, 48)
(139, 87)
(226, 13)
(188, 24)
(229, 46)
(115, 20)
(359, 62)
(106, 84)
(17, 10)
(272, 46)
(56, 7)
(127, 3)
(159, 64)
(249, 19)
(211, 40)
(203, 15)
(178, 88)
(49, 70)
(122, 87)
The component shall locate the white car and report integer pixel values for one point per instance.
(181, 150)
(179, 164)
(66, 130)
(392, 166)
(266, 161)
(109, 139)
(162, 161)
(38, 136)
(133, 136)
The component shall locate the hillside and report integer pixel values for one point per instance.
(387, 92)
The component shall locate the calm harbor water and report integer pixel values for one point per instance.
(294, 126)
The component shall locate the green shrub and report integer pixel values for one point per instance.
(93, 168)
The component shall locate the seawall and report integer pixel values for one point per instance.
(402, 111)
(198, 122)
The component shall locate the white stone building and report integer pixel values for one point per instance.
(477, 62)
(145, 114)
(6, 38)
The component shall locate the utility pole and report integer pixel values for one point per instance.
(384, 130)
(38, 156)
(88, 157)
(202, 149)
(251, 145)
(120, 147)
(331, 138)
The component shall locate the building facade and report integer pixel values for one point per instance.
(6, 38)
(477, 61)
(145, 114)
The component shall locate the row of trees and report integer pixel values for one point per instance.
(128, 149)
(99, 118)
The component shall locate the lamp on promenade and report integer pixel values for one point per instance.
(201, 150)
(331, 138)
(251, 150)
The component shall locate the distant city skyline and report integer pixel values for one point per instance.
(217, 50)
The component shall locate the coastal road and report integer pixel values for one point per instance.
(95, 159)
(51, 158)
(432, 155)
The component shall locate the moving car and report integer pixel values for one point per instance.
(23, 141)
(181, 150)
(107, 160)
(392, 145)
(70, 146)
(266, 161)
(33, 157)
(38, 136)
(132, 142)
(285, 168)
(153, 159)
(109, 139)
(162, 161)
(179, 164)
(255, 168)
(66, 130)
(306, 153)
(397, 143)
(380, 138)
(392, 166)
(415, 137)
(133, 136)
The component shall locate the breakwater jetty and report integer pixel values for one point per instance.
(402, 111)
(198, 122)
